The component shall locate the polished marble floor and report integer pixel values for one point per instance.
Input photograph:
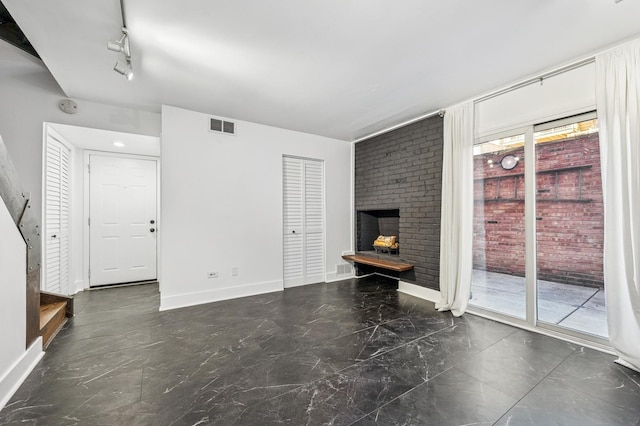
(353, 352)
(571, 306)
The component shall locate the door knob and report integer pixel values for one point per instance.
(152, 221)
(54, 236)
(152, 229)
(293, 232)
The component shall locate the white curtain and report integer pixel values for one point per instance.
(456, 236)
(618, 100)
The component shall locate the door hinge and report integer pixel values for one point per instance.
(88, 168)
(89, 273)
(89, 221)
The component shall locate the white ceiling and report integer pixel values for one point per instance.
(338, 68)
(108, 141)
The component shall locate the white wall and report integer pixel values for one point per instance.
(221, 203)
(30, 97)
(15, 362)
(13, 303)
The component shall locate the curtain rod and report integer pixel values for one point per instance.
(397, 126)
(540, 79)
(520, 85)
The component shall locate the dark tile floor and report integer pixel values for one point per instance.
(353, 352)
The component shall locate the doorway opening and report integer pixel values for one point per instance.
(80, 141)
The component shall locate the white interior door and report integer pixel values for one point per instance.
(57, 201)
(122, 220)
(303, 221)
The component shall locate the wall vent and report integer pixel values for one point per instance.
(343, 269)
(221, 126)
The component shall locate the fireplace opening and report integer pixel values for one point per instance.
(374, 223)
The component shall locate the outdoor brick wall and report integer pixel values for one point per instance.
(402, 170)
(570, 233)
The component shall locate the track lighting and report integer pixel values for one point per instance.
(122, 45)
(124, 70)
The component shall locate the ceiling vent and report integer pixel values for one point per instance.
(221, 126)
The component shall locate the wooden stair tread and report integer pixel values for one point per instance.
(54, 311)
(48, 312)
(380, 263)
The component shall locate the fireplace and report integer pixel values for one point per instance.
(372, 223)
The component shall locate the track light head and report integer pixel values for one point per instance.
(124, 70)
(114, 46)
(122, 45)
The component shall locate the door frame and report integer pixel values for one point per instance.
(85, 210)
(51, 132)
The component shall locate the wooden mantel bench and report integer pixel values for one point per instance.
(379, 263)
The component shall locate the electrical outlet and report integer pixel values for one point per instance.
(212, 275)
(234, 271)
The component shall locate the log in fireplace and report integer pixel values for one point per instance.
(372, 223)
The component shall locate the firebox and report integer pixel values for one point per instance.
(372, 223)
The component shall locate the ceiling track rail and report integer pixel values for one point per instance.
(124, 20)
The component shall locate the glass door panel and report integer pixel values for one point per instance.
(498, 282)
(569, 227)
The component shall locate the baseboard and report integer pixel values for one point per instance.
(418, 291)
(626, 364)
(333, 277)
(11, 381)
(540, 330)
(370, 275)
(201, 297)
(78, 286)
(434, 296)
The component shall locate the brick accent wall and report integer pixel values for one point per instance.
(570, 233)
(402, 170)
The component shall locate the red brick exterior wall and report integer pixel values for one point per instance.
(570, 215)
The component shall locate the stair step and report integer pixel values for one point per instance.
(52, 318)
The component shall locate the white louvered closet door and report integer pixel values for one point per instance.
(303, 227)
(313, 221)
(57, 196)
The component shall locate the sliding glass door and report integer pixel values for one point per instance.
(538, 227)
(570, 226)
(499, 226)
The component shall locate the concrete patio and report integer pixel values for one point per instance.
(571, 306)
